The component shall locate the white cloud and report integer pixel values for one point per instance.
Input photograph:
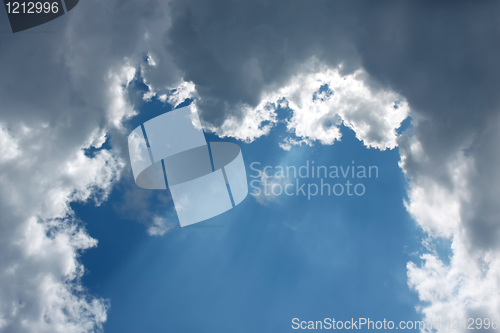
(321, 99)
(288, 143)
(119, 108)
(178, 95)
(465, 288)
(450, 198)
(8, 146)
(62, 93)
(159, 226)
(40, 237)
(435, 206)
(255, 123)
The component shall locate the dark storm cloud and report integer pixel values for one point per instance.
(442, 56)
(234, 50)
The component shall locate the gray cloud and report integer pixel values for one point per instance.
(235, 51)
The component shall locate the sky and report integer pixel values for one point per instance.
(409, 87)
(265, 262)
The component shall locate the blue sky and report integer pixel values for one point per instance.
(256, 267)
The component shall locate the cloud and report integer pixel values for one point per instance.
(445, 70)
(456, 201)
(244, 61)
(41, 239)
(8, 146)
(465, 288)
(254, 122)
(159, 226)
(324, 99)
(321, 99)
(236, 53)
(438, 59)
(65, 93)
